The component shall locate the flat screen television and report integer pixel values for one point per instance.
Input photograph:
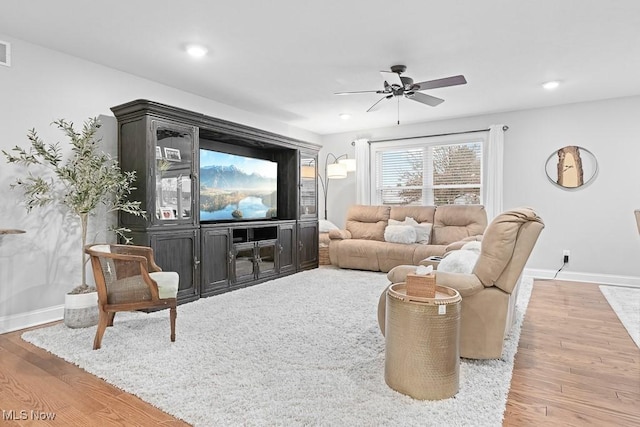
(236, 188)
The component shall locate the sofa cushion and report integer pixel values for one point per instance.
(367, 222)
(391, 254)
(419, 213)
(455, 222)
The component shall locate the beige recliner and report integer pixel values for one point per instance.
(489, 292)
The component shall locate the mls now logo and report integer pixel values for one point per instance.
(23, 415)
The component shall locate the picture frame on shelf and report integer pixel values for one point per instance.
(167, 213)
(172, 154)
(158, 152)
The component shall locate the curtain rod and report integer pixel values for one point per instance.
(504, 128)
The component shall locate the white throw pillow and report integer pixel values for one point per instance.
(423, 230)
(461, 261)
(423, 233)
(326, 226)
(472, 246)
(400, 234)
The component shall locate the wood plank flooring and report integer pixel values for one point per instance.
(576, 365)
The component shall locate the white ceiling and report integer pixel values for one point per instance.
(284, 59)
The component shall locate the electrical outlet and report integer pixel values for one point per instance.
(565, 256)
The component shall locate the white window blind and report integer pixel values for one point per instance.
(429, 173)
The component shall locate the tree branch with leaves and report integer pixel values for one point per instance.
(86, 179)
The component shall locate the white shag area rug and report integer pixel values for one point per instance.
(300, 350)
(626, 304)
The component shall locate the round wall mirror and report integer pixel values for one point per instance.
(571, 167)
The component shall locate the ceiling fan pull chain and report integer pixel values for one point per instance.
(398, 110)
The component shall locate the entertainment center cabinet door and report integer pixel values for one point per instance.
(175, 158)
(307, 245)
(244, 262)
(216, 261)
(308, 185)
(178, 251)
(286, 248)
(266, 251)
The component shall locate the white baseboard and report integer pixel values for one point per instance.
(18, 321)
(602, 279)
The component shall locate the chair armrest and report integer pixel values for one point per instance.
(399, 273)
(454, 246)
(144, 251)
(466, 284)
(339, 234)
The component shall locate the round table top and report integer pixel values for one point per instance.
(11, 231)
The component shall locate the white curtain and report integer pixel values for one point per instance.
(363, 174)
(494, 167)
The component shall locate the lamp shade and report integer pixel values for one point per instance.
(350, 164)
(308, 171)
(336, 171)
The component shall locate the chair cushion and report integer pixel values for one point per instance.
(101, 248)
(168, 282)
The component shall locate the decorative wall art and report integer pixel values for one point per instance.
(571, 167)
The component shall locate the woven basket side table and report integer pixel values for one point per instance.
(422, 353)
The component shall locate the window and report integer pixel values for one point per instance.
(429, 171)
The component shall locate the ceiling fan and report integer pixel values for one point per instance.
(397, 85)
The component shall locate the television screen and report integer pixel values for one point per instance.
(234, 187)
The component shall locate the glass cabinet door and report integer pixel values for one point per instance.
(308, 185)
(174, 178)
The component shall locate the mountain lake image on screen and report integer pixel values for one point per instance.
(235, 187)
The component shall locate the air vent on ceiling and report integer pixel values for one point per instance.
(5, 53)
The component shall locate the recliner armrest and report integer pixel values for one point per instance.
(454, 246)
(339, 234)
(466, 284)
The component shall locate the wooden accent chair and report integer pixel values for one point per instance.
(128, 279)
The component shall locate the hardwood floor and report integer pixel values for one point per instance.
(576, 365)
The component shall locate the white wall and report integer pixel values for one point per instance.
(595, 223)
(39, 267)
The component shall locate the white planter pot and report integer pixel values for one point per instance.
(81, 310)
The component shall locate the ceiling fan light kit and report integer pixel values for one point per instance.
(396, 85)
(196, 51)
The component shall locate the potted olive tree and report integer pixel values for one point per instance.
(81, 183)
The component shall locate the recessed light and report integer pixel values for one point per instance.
(551, 85)
(197, 51)
(345, 116)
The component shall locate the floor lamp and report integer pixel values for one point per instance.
(337, 170)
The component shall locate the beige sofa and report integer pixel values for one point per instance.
(489, 293)
(362, 246)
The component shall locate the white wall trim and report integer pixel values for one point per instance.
(602, 279)
(28, 319)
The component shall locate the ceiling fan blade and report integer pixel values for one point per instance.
(425, 99)
(357, 92)
(391, 78)
(447, 81)
(375, 106)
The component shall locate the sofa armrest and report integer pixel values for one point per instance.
(460, 243)
(339, 234)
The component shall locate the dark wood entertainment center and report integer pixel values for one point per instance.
(162, 145)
